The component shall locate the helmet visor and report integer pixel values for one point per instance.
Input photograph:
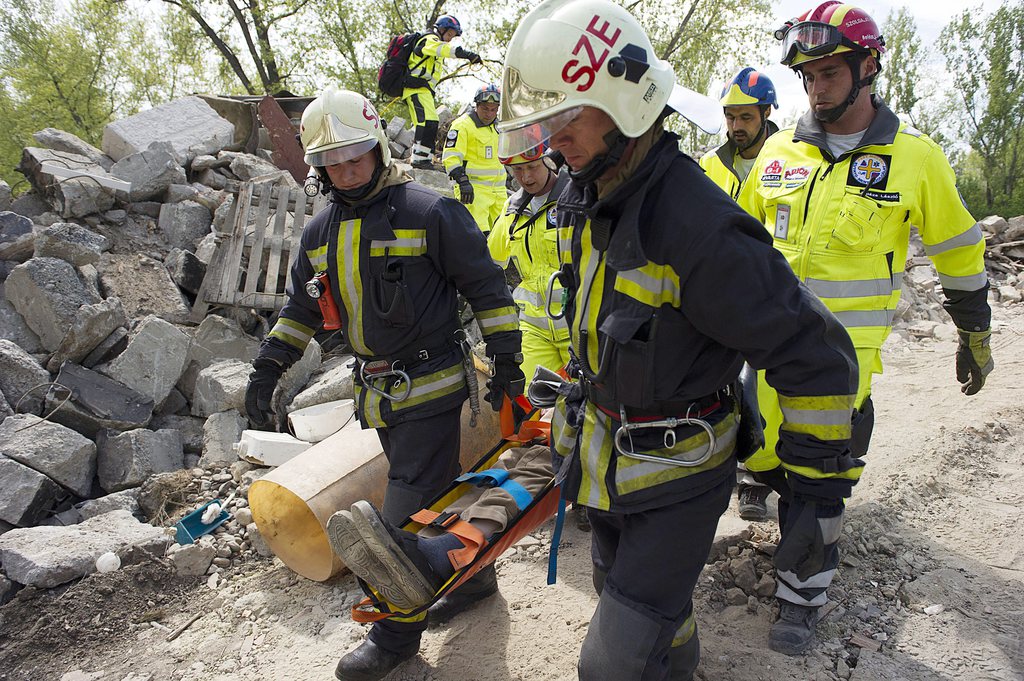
(513, 141)
(811, 39)
(330, 157)
(521, 100)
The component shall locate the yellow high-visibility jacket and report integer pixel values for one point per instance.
(844, 223)
(718, 165)
(474, 146)
(427, 59)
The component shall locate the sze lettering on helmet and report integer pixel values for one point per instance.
(574, 69)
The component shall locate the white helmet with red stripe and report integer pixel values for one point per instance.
(340, 125)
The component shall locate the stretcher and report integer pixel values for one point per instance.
(520, 426)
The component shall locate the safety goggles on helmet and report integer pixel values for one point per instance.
(518, 140)
(814, 39)
(528, 156)
(487, 96)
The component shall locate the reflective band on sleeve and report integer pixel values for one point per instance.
(407, 242)
(857, 288)
(969, 238)
(824, 417)
(497, 320)
(973, 282)
(685, 632)
(291, 332)
(351, 284)
(595, 455)
(522, 295)
(454, 156)
(856, 318)
(651, 284)
(318, 258)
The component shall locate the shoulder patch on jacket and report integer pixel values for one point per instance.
(453, 135)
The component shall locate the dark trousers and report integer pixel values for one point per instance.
(646, 566)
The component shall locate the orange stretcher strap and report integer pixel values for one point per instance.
(472, 539)
(528, 430)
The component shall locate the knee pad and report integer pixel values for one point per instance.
(621, 643)
(683, 659)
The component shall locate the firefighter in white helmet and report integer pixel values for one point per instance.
(671, 286)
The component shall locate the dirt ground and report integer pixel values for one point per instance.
(935, 524)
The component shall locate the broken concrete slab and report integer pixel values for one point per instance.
(334, 384)
(150, 173)
(22, 379)
(90, 278)
(125, 500)
(60, 140)
(220, 387)
(248, 167)
(92, 326)
(220, 432)
(30, 204)
(184, 224)
(47, 293)
(96, 402)
(45, 557)
(144, 287)
(127, 459)
(213, 179)
(70, 242)
(61, 454)
(217, 338)
(5, 195)
(5, 408)
(180, 192)
(206, 161)
(109, 348)
(993, 224)
(71, 197)
(14, 328)
(174, 403)
(190, 428)
(296, 378)
(189, 125)
(192, 560)
(26, 495)
(17, 237)
(187, 271)
(153, 361)
(434, 179)
(1015, 229)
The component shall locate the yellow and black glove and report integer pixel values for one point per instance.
(973, 360)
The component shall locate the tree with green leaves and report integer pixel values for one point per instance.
(901, 70)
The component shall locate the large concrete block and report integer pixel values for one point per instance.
(73, 197)
(14, 328)
(185, 223)
(335, 384)
(993, 224)
(92, 326)
(45, 557)
(125, 500)
(216, 339)
(153, 361)
(30, 204)
(26, 496)
(434, 179)
(150, 171)
(96, 402)
(220, 387)
(190, 428)
(248, 167)
(19, 374)
(186, 270)
(47, 293)
(220, 432)
(126, 459)
(61, 454)
(59, 140)
(144, 287)
(189, 125)
(70, 242)
(17, 237)
(1014, 229)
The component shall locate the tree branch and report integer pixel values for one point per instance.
(673, 42)
(222, 47)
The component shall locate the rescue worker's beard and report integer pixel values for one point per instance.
(350, 196)
(853, 60)
(757, 138)
(599, 165)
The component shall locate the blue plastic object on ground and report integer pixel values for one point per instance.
(192, 527)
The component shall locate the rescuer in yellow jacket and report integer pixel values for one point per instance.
(839, 192)
(747, 101)
(425, 71)
(526, 234)
(471, 158)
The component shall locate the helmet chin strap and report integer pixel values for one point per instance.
(351, 196)
(853, 60)
(762, 131)
(599, 165)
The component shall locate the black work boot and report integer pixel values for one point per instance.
(753, 498)
(483, 584)
(683, 660)
(369, 662)
(793, 632)
(423, 164)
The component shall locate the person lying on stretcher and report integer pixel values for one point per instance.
(407, 568)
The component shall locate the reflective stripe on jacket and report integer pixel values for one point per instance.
(530, 240)
(427, 59)
(844, 224)
(475, 147)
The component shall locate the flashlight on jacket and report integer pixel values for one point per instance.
(319, 289)
(311, 186)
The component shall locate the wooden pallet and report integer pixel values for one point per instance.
(266, 220)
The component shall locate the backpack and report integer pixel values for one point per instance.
(393, 74)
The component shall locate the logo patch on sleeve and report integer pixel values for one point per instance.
(453, 135)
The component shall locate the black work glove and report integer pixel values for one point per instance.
(812, 530)
(260, 392)
(508, 380)
(458, 174)
(473, 57)
(973, 360)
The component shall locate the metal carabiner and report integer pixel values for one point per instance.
(392, 372)
(551, 294)
(668, 439)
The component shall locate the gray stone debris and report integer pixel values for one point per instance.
(126, 459)
(1014, 229)
(96, 402)
(187, 271)
(220, 432)
(30, 204)
(206, 162)
(993, 224)
(207, 247)
(45, 557)
(59, 140)
(17, 237)
(21, 377)
(5, 408)
(217, 338)
(174, 403)
(259, 544)
(109, 347)
(47, 293)
(150, 172)
(70, 197)
(70, 242)
(144, 287)
(184, 224)
(395, 127)
(248, 167)
(153, 361)
(5, 195)
(211, 178)
(61, 454)
(334, 384)
(435, 180)
(220, 387)
(295, 378)
(189, 125)
(190, 428)
(14, 328)
(26, 495)
(125, 500)
(192, 560)
(180, 192)
(92, 326)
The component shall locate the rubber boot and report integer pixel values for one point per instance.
(369, 662)
(793, 632)
(683, 660)
(483, 584)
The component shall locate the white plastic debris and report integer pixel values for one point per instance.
(211, 513)
(935, 609)
(108, 562)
